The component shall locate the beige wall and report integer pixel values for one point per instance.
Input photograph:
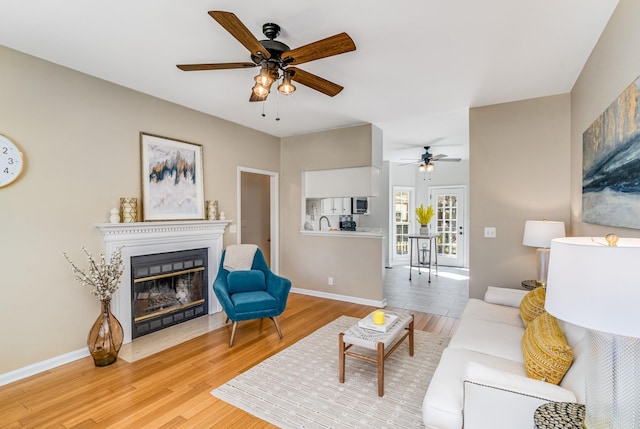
(80, 138)
(309, 260)
(518, 171)
(612, 66)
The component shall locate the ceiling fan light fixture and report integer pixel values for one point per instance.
(429, 167)
(286, 87)
(266, 76)
(422, 168)
(261, 90)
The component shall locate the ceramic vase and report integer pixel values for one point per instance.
(105, 337)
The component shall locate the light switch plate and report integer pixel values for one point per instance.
(489, 232)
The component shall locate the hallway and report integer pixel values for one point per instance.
(446, 295)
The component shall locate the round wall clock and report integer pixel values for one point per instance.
(11, 161)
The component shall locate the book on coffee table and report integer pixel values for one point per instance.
(367, 322)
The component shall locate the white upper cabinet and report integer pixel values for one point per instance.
(335, 206)
(342, 182)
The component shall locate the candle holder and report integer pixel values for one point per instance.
(129, 210)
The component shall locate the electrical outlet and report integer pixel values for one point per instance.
(489, 232)
(330, 281)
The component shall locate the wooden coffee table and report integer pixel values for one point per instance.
(377, 341)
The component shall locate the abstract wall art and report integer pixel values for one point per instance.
(611, 163)
(172, 182)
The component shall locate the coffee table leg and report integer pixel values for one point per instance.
(380, 369)
(411, 337)
(341, 357)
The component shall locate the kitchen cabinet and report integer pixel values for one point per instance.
(342, 182)
(335, 206)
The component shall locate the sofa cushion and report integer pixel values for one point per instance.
(497, 339)
(443, 402)
(532, 305)
(481, 310)
(574, 379)
(504, 296)
(245, 281)
(545, 351)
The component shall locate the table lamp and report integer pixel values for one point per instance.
(595, 283)
(539, 233)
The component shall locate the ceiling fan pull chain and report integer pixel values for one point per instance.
(263, 114)
(278, 106)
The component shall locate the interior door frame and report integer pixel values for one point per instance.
(273, 208)
(463, 217)
(395, 259)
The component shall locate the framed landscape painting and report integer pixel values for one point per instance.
(172, 182)
(611, 163)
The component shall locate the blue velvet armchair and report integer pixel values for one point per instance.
(251, 294)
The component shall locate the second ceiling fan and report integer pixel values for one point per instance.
(427, 158)
(276, 60)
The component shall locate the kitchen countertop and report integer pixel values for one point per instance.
(360, 233)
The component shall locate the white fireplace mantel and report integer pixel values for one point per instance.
(145, 238)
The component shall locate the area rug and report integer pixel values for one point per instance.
(299, 388)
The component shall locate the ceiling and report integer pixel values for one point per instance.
(418, 67)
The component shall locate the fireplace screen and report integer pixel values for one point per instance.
(167, 288)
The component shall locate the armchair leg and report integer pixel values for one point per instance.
(233, 333)
(275, 322)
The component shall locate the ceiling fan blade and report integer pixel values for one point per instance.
(448, 159)
(409, 163)
(334, 45)
(233, 25)
(315, 82)
(255, 97)
(220, 66)
(438, 157)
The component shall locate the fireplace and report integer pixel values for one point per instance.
(167, 289)
(140, 239)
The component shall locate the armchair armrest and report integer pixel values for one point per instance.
(220, 289)
(504, 296)
(279, 287)
(503, 400)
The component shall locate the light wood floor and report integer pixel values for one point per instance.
(171, 389)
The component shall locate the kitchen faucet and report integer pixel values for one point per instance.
(320, 222)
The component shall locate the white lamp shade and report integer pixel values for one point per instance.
(594, 285)
(539, 233)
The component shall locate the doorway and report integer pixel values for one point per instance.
(402, 223)
(258, 212)
(450, 212)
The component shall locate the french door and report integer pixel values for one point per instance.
(449, 205)
(403, 209)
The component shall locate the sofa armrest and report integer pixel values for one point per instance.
(504, 296)
(503, 400)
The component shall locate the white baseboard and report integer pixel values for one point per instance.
(45, 365)
(355, 300)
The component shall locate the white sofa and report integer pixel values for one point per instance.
(481, 381)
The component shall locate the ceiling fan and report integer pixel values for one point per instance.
(427, 159)
(276, 60)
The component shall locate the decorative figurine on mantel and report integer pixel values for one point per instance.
(115, 216)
